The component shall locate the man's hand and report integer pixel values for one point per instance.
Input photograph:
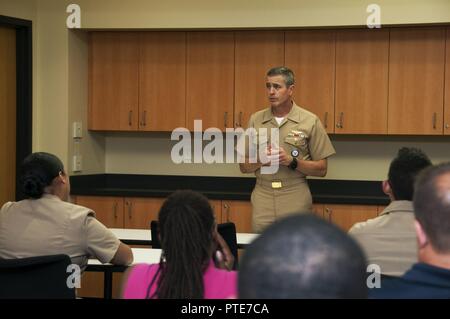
(284, 158)
(280, 156)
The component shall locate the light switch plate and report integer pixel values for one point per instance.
(77, 163)
(77, 130)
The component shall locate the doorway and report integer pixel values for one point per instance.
(15, 102)
(7, 114)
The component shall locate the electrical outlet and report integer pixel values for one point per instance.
(77, 163)
(77, 130)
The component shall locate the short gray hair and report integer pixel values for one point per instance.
(287, 74)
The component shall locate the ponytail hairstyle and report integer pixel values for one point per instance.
(37, 172)
(186, 223)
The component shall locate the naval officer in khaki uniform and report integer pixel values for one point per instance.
(302, 150)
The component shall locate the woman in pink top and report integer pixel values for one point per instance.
(189, 239)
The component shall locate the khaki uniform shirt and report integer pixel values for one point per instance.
(49, 226)
(389, 240)
(285, 191)
(301, 131)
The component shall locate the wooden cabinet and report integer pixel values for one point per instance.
(388, 81)
(256, 52)
(216, 205)
(416, 80)
(361, 81)
(130, 212)
(108, 210)
(210, 79)
(136, 212)
(311, 56)
(380, 209)
(345, 216)
(318, 210)
(139, 212)
(134, 78)
(162, 81)
(447, 86)
(113, 81)
(238, 212)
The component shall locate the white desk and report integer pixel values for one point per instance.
(140, 255)
(144, 236)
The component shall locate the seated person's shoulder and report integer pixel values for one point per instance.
(370, 224)
(7, 206)
(78, 212)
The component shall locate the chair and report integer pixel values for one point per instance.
(226, 230)
(42, 277)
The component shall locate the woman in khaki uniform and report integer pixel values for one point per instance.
(301, 150)
(45, 223)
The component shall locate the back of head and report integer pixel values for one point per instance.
(186, 224)
(403, 171)
(37, 172)
(432, 205)
(303, 256)
(287, 74)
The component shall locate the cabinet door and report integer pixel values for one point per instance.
(345, 216)
(311, 56)
(210, 79)
(238, 212)
(318, 210)
(108, 210)
(162, 81)
(114, 79)
(256, 53)
(139, 212)
(416, 81)
(361, 81)
(447, 86)
(380, 209)
(216, 205)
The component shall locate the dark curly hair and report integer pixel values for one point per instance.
(37, 172)
(403, 171)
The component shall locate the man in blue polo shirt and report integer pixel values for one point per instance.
(430, 277)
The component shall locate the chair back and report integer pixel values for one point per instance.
(42, 277)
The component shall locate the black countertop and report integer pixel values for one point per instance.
(232, 188)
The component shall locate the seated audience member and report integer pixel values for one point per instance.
(189, 240)
(302, 256)
(430, 277)
(389, 240)
(46, 224)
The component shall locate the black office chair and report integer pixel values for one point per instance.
(42, 277)
(226, 230)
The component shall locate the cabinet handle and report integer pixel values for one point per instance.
(115, 210)
(434, 120)
(447, 126)
(130, 204)
(325, 120)
(239, 123)
(328, 211)
(145, 118)
(225, 119)
(340, 124)
(130, 114)
(227, 212)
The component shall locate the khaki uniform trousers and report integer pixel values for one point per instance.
(270, 204)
